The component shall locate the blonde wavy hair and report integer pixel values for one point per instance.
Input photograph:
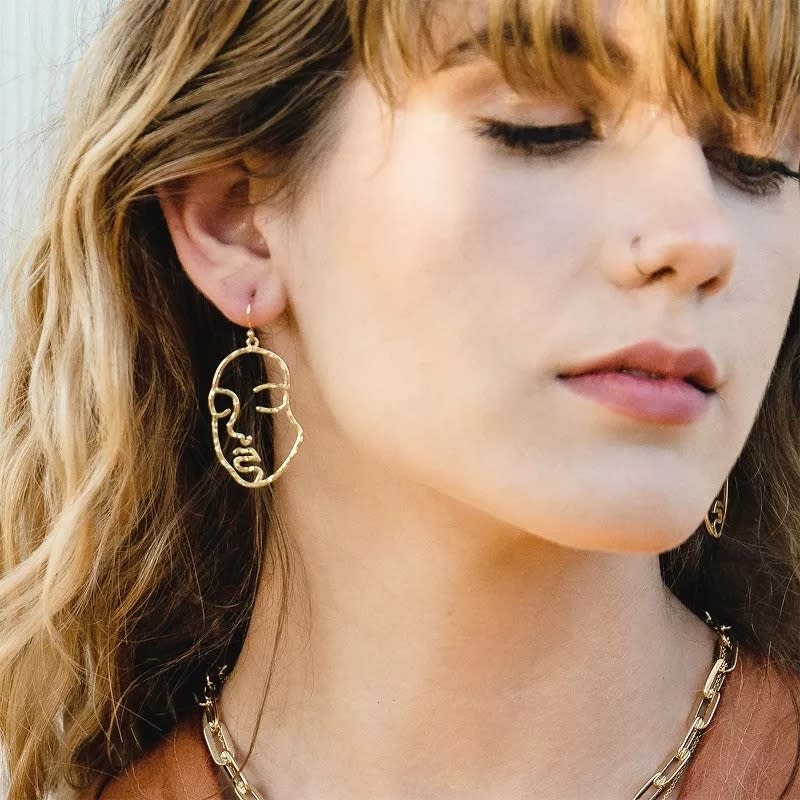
(128, 559)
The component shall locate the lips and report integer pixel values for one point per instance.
(693, 365)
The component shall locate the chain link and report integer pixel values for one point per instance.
(218, 738)
(727, 656)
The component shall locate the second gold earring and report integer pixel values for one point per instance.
(715, 518)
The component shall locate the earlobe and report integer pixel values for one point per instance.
(211, 222)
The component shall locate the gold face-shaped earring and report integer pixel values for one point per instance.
(715, 518)
(245, 464)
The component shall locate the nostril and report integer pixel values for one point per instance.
(659, 272)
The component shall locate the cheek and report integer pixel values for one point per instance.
(430, 283)
(759, 300)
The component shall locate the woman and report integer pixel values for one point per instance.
(496, 497)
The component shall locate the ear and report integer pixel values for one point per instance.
(210, 217)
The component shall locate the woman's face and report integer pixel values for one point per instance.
(441, 281)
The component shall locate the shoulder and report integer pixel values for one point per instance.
(179, 768)
(749, 748)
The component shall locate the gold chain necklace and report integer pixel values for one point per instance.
(218, 739)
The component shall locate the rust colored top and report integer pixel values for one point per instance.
(746, 753)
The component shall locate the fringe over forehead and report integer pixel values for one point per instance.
(742, 57)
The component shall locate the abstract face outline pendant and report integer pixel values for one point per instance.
(246, 465)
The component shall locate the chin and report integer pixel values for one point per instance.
(641, 540)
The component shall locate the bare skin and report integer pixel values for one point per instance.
(481, 613)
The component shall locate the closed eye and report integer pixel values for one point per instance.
(753, 175)
(533, 140)
(758, 176)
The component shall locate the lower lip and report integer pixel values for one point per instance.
(670, 401)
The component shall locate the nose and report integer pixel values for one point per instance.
(676, 230)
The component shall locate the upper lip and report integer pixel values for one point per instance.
(693, 365)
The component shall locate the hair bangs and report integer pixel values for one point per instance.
(529, 41)
(744, 57)
(741, 60)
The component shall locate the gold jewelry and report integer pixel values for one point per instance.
(639, 270)
(718, 513)
(218, 739)
(246, 459)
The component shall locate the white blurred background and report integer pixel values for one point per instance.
(40, 43)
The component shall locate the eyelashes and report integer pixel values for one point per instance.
(530, 140)
(762, 176)
(753, 175)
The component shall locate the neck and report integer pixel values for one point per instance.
(430, 652)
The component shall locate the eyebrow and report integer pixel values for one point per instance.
(566, 40)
